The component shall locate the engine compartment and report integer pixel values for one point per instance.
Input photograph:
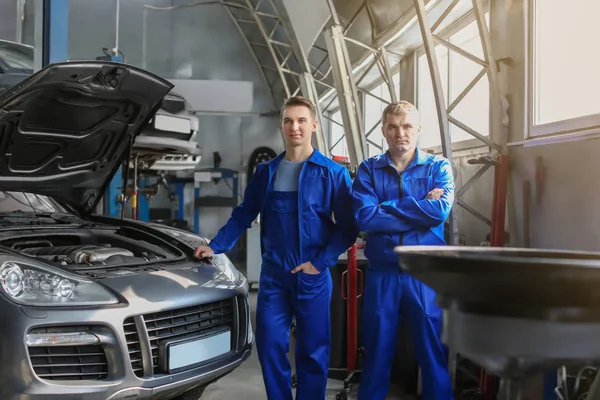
(94, 248)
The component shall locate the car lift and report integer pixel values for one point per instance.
(200, 176)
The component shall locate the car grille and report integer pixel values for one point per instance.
(182, 323)
(133, 346)
(68, 362)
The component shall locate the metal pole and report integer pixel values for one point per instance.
(500, 133)
(20, 16)
(347, 94)
(144, 39)
(134, 197)
(388, 74)
(510, 389)
(438, 94)
(117, 20)
(307, 84)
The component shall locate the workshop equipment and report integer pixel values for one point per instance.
(515, 312)
(352, 288)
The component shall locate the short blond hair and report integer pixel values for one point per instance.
(401, 107)
(302, 102)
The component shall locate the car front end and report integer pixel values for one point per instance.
(95, 307)
(113, 333)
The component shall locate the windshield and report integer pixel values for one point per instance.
(28, 202)
(16, 56)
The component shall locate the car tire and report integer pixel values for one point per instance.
(193, 394)
(259, 155)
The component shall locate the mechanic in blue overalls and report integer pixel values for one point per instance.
(401, 197)
(296, 194)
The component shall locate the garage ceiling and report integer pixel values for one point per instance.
(277, 32)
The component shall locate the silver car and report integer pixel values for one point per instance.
(94, 307)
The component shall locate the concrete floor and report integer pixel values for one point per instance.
(245, 383)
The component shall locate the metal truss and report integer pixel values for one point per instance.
(347, 93)
(277, 52)
(275, 49)
(497, 140)
(498, 136)
(333, 71)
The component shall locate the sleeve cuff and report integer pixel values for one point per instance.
(319, 264)
(215, 247)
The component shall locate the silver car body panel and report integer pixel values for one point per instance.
(141, 294)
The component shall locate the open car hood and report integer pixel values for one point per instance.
(65, 130)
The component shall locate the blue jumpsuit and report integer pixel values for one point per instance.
(296, 227)
(391, 208)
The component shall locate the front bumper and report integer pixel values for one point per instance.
(120, 378)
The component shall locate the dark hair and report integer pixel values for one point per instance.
(300, 101)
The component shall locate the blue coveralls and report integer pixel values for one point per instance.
(391, 208)
(296, 227)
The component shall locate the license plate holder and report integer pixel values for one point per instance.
(177, 355)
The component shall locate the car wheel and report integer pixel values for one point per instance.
(259, 155)
(193, 394)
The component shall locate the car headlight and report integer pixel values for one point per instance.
(227, 270)
(30, 284)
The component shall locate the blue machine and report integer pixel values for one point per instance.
(205, 175)
(55, 31)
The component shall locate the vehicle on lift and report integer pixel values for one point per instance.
(167, 143)
(106, 307)
(16, 63)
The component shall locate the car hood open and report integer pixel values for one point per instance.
(65, 130)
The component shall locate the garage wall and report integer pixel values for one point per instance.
(207, 45)
(186, 42)
(92, 27)
(564, 210)
(8, 20)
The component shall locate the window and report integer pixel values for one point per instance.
(456, 73)
(565, 65)
(372, 121)
(474, 109)
(338, 144)
(430, 128)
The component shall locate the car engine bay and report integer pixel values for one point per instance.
(94, 248)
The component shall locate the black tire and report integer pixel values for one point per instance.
(192, 394)
(259, 155)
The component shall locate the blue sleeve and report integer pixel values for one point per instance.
(243, 215)
(426, 212)
(345, 233)
(368, 214)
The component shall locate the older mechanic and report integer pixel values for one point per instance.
(296, 194)
(401, 197)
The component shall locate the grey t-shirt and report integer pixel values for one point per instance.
(287, 176)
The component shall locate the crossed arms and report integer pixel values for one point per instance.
(403, 214)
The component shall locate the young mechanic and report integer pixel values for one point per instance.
(401, 197)
(296, 194)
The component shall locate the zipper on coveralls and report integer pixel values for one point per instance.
(401, 194)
